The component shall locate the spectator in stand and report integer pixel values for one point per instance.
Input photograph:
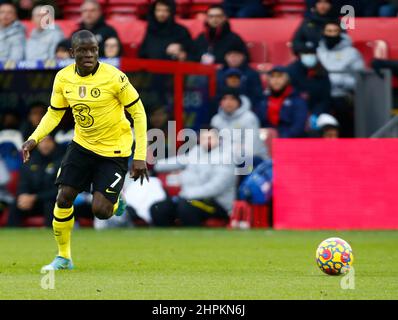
(311, 79)
(250, 83)
(162, 31)
(62, 51)
(212, 45)
(12, 34)
(341, 60)
(234, 114)
(245, 9)
(177, 52)
(9, 119)
(94, 21)
(284, 110)
(328, 126)
(310, 30)
(37, 111)
(233, 78)
(207, 184)
(112, 48)
(42, 43)
(24, 8)
(36, 193)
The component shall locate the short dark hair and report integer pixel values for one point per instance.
(216, 6)
(334, 22)
(81, 36)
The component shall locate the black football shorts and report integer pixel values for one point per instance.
(85, 170)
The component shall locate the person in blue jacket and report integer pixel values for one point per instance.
(284, 109)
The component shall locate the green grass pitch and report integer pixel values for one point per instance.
(195, 264)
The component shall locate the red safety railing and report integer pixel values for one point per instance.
(179, 70)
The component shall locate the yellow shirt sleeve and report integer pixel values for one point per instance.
(54, 113)
(130, 99)
(58, 100)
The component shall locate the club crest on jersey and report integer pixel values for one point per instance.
(95, 92)
(82, 91)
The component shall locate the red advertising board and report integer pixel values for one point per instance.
(335, 184)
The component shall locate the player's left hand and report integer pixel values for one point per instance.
(139, 171)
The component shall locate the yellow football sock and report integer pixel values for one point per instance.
(62, 225)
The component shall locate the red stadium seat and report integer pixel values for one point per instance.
(372, 49)
(183, 8)
(200, 6)
(126, 9)
(257, 51)
(289, 8)
(130, 32)
(121, 13)
(78, 2)
(71, 12)
(282, 53)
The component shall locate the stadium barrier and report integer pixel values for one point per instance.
(341, 184)
(181, 86)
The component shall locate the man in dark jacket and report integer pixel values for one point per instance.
(94, 21)
(162, 32)
(284, 108)
(250, 83)
(311, 28)
(311, 79)
(212, 45)
(36, 192)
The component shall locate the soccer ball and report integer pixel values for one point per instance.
(334, 256)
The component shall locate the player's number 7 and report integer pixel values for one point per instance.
(117, 180)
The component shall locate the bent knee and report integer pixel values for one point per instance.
(65, 199)
(102, 212)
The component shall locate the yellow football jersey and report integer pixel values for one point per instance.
(98, 101)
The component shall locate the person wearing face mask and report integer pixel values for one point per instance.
(342, 60)
(310, 30)
(311, 79)
(284, 109)
(337, 54)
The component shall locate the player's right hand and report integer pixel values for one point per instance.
(27, 147)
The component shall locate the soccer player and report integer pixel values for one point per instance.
(98, 95)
